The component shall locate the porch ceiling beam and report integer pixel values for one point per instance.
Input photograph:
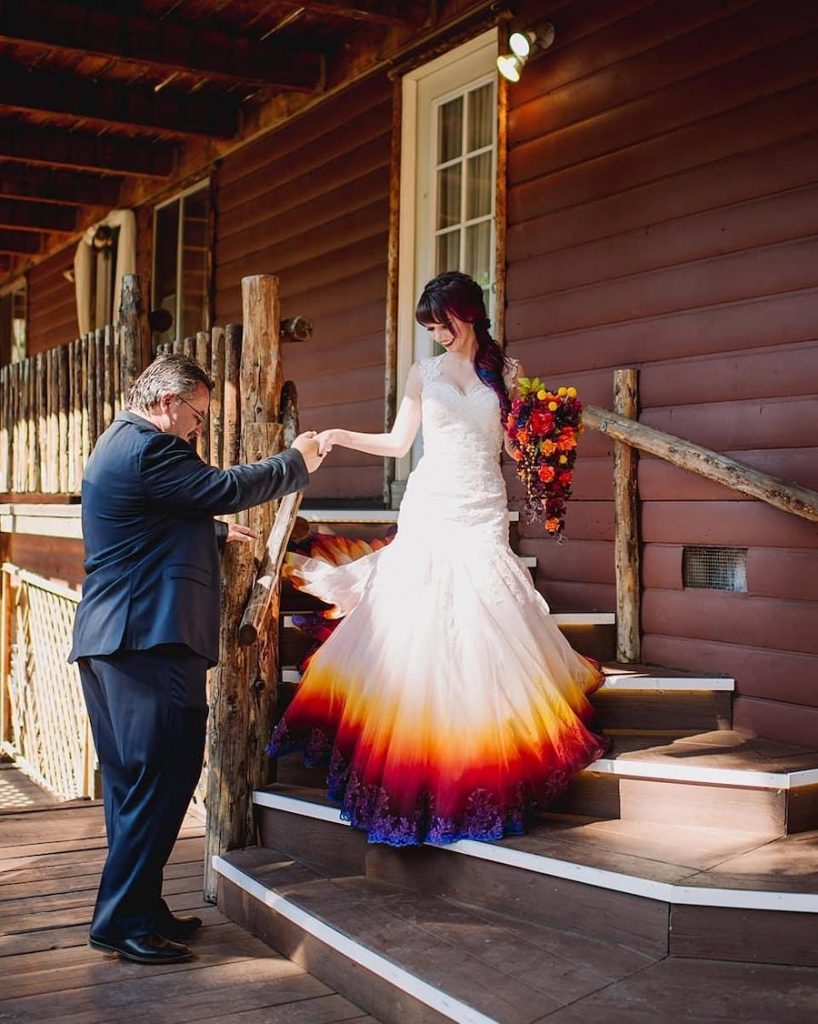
(63, 187)
(37, 216)
(109, 103)
(5, 263)
(371, 11)
(166, 45)
(57, 147)
(27, 242)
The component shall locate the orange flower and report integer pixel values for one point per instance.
(522, 436)
(517, 455)
(547, 447)
(546, 474)
(552, 525)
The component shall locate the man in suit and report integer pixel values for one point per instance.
(147, 630)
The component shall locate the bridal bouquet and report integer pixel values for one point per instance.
(542, 429)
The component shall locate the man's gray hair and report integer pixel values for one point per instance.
(177, 374)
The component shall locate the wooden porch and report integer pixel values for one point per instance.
(514, 970)
(50, 858)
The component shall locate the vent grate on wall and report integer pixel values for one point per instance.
(707, 568)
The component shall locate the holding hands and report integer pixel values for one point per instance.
(307, 444)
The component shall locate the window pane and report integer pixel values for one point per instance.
(479, 186)
(477, 257)
(448, 195)
(480, 128)
(450, 130)
(448, 251)
(195, 229)
(165, 270)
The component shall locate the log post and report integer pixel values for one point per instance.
(90, 391)
(242, 700)
(129, 324)
(626, 517)
(4, 434)
(37, 440)
(203, 359)
(216, 370)
(63, 413)
(231, 413)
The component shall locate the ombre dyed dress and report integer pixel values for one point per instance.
(446, 704)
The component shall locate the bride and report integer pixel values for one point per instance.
(447, 704)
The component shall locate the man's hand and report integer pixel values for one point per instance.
(240, 534)
(307, 444)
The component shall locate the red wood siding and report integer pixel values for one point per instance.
(52, 305)
(311, 204)
(663, 213)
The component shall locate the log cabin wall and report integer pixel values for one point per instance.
(52, 304)
(310, 202)
(663, 214)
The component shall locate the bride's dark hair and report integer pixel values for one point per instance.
(455, 294)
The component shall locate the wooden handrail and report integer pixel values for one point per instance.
(789, 497)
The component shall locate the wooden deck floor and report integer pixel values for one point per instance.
(50, 858)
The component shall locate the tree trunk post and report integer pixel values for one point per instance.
(626, 539)
(129, 324)
(242, 694)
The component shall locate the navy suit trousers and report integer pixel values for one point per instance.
(148, 713)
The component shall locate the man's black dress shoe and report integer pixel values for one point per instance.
(143, 949)
(179, 929)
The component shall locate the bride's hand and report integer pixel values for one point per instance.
(326, 440)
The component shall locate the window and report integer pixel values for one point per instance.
(465, 173)
(181, 263)
(448, 190)
(13, 324)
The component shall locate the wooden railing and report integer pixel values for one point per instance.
(43, 722)
(54, 405)
(630, 437)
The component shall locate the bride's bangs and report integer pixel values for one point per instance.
(431, 310)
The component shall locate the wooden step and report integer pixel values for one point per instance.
(688, 891)
(718, 779)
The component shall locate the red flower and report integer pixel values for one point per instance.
(546, 474)
(541, 423)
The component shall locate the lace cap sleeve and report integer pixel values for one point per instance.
(511, 373)
(429, 369)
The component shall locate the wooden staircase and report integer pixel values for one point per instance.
(689, 844)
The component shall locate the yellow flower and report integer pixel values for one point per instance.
(541, 395)
(563, 459)
(572, 392)
(562, 392)
(553, 406)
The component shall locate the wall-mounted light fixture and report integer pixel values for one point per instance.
(525, 46)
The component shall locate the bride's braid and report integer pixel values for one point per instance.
(456, 294)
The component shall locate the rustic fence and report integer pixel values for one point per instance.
(43, 723)
(54, 405)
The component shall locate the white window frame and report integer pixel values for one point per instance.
(177, 197)
(424, 90)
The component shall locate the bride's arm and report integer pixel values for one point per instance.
(392, 445)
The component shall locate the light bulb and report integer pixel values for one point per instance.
(520, 43)
(509, 66)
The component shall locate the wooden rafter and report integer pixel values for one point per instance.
(371, 11)
(5, 263)
(53, 147)
(37, 216)
(27, 242)
(110, 103)
(157, 44)
(63, 187)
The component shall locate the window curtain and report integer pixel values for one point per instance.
(84, 265)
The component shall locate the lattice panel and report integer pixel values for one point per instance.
(49, 723)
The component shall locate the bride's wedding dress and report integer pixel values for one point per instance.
(447, 704)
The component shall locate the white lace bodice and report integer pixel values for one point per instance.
(458, 483)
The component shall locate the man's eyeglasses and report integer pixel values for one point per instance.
(200, 416)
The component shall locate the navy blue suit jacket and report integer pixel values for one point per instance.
(151, 554)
